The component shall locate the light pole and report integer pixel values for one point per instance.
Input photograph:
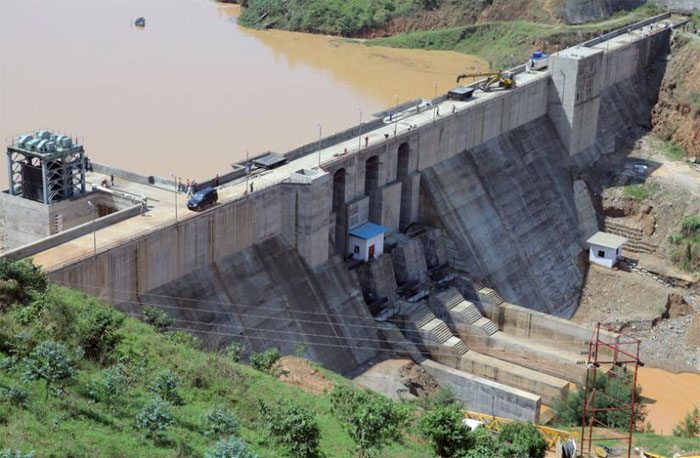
(94, 228)
(172, 174)
(247, 171)
(359, 137)
(435, 101)
(320, 134)
(396, 114)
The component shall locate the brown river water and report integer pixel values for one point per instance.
(192, 90)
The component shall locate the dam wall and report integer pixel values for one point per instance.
(292, 210)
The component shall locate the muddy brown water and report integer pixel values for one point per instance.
(192, 90)
(670, 396)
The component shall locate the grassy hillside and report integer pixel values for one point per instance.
(78, 417)
(504, 43)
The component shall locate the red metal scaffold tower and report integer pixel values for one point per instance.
(604, 353)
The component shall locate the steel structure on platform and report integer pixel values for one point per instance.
(46, 167)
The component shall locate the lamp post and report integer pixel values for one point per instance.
(247, 171)
(434, 101)
(359, 136)
(94, 228)
(172, 174)
(396, 114)
(320, 134)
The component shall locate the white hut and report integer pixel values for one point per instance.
(605, 249)
(366, 241)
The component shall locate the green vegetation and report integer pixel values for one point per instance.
(687, 252)
(689, 426)
(640, 192)
(345, 18)
(672, 151)
(264, 361)
(142, 391)
(614, 390)
(293, 426)
(442, 428)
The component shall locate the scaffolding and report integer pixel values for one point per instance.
(624, 355)
(46, 167)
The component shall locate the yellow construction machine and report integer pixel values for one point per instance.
(504, 79)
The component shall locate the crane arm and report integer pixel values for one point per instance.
(475, 75)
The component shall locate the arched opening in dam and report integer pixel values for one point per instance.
(402, 162)
(371, 174)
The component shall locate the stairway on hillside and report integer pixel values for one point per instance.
(420, 325)
(634, 235)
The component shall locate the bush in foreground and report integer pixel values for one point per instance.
(292, 426)
(155, 418)
(443, 428)
(230, 448)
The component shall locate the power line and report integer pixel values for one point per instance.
(276, 309)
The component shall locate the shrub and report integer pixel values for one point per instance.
(689, 426)
(443, 428)
(264, 361)
(155, 418)
(185, 338)
(51, 362)
(97, 329)
(521, 440)
(15, 396)
(484, 445)
(165, 385)
(690, 225)
(115, 382)
(615, 389)
(636, 191)
(219, 422)
(156, 318)
(292, 426)
(25, 280)
(444, 396)
(372, 422)
(230, 448)
(235, 352)
(675, 239)
(9, 453)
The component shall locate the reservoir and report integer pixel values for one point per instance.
(192, 91)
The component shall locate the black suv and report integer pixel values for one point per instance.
(202, 198)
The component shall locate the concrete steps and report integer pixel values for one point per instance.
(488, 326)
(634, 235)
(441, 332)
(472, 313)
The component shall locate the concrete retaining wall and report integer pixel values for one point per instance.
(486, 396)
(23, 221)
(70, 234)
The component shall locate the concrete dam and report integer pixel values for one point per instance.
(482, 208)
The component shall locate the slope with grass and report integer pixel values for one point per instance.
(84, 414)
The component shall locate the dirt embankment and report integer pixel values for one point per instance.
(676, 116)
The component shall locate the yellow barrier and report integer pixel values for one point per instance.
(493, 423)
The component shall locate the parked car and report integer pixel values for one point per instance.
(203, 198)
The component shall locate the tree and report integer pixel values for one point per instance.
(235, 352)
(293, 426)
(230, 448)
(97, 331)
(165, 385)
(371, 421)
(220, 421)
(444, 430)
(49, 361)
(689, 426)
(521, 440)
(155, 418)
(156, 318)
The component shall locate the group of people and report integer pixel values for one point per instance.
(190, 187)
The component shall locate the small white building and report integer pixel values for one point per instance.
(366, 241)
(605, 249)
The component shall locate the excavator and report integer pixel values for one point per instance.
(505, 79)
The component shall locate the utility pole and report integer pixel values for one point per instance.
(94, 228)
(359, 135)
(396, 114)
(320, 134)
(435, 101)
(172, 174)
